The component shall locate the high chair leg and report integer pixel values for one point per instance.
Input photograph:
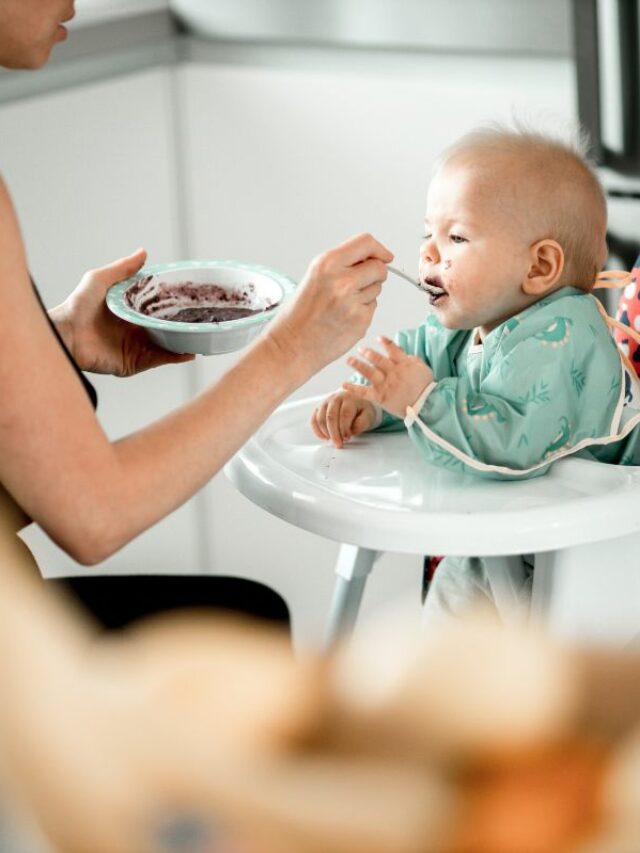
(352, 570)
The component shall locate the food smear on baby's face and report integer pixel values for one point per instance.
(193, 302)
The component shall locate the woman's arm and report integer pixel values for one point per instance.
(92, 496)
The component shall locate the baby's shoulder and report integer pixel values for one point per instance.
(569, 317)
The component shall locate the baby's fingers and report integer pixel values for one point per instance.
(334, 420)
(318, 419)
(365, 392)
(370, 371)
(362, 421)
(394, 352)
(376, 358)
(348, 414)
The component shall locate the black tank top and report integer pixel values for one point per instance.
(88, 387)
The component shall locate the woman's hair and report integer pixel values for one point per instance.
(554, 184)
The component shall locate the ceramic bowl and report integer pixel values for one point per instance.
(146, 300)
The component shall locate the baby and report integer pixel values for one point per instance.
(514, 366)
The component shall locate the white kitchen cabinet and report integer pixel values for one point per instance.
(289, 152)
(92, 173)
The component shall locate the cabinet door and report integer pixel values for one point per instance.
(92, 172)
(291, 152)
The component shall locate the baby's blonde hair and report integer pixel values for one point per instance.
(564, 198)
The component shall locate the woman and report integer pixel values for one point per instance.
(96, 740)
(93, 496)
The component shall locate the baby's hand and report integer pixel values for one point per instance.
(396, 380)
(341, 416)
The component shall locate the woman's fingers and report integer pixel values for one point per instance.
(334, 304)
(369, 294)
(120, 269)
(362, 247)
(369, 273)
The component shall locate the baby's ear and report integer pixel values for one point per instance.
(545, 267)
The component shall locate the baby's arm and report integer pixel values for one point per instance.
(347, 413)
(411, 342)
(395, 380)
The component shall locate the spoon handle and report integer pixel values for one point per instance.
(405, 276)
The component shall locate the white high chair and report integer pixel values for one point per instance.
(581, 520)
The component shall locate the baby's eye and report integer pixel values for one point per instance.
(425, 237)
(457, 238)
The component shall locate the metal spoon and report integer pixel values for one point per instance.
(405, 276)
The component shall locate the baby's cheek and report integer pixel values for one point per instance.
(447, 264)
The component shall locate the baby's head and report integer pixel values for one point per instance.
(512, 215)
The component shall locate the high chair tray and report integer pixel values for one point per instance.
(379, 493)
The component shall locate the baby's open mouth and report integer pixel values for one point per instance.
(434, 289)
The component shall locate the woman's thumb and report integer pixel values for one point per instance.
(122, 268)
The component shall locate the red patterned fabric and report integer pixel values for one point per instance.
(432, 566)
(629, 314)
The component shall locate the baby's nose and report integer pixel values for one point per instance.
(429, 251)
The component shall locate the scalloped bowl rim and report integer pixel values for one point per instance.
(117, 305)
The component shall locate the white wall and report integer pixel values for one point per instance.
(91, 171)
(283, 155)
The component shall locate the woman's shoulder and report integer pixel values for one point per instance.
(12, 254)
(7, 210)
(5, 196)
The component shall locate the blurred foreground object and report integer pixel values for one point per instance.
(193, 733)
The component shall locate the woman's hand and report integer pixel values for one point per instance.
(334, 304)
(99, 341)
(396, 380)
(342, 416)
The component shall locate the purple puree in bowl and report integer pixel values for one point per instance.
(189, 302)
(212, 315)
